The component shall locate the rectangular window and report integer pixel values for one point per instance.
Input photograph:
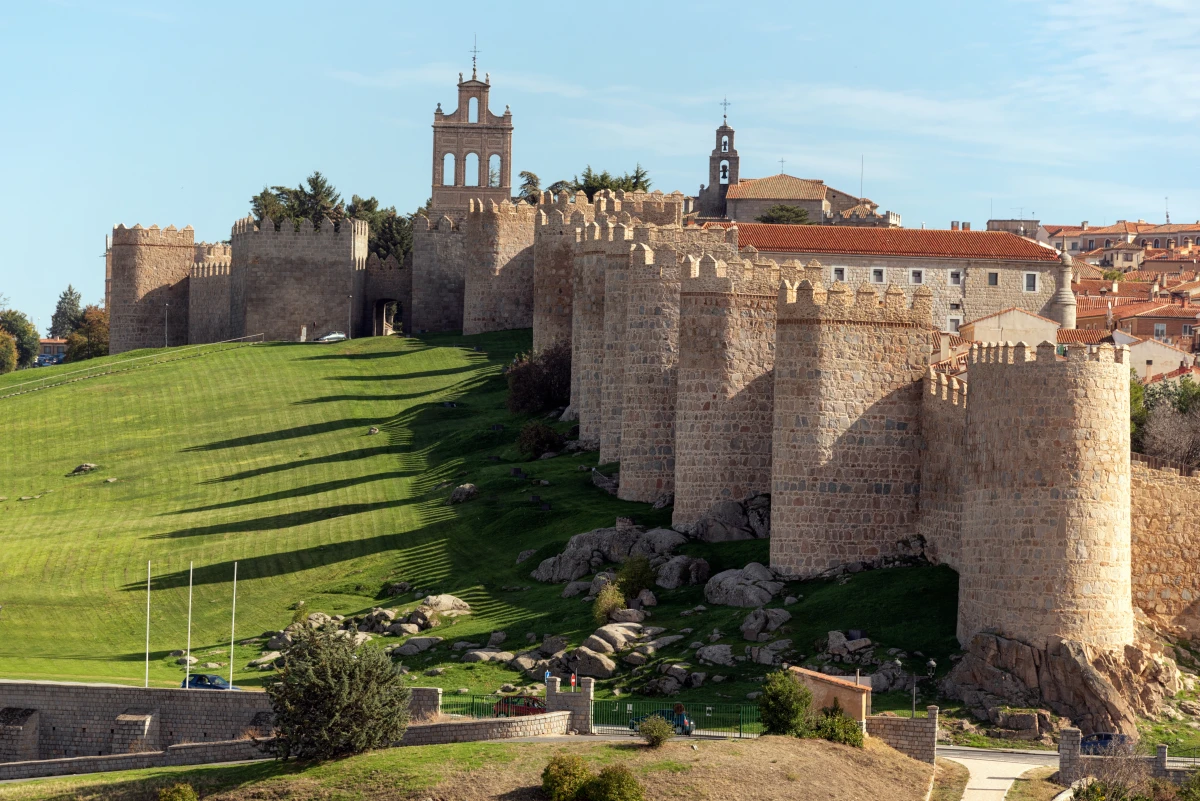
(1187, 330)
(1074, 246)
(955, 278)
(1060, 245)
(1031, 282)
(955, 306)
(916, 276)
(1091, 244)
(993, 279)
(1160, 330)
(1127, 257)
(953, 323)
(839, 274)
(877, 275)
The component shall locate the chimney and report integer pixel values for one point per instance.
(966, 226)
(954, 225)
(1083, 225)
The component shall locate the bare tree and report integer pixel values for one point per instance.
(1172, 435)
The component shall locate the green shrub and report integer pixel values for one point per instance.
(615, 783)
(656, 730)
(635, 575)
(785, 705)
(178, 792)
(538, 438)
(8, 352)
(540, 382)
(838, 728)
(299, 612)
(564, 777)
(608, 600)
(331, 699)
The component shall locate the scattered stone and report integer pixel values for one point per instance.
(212, 665)
(770, 654)
(761, 621)
(463, 645)
(652, 631)
(679, 571)
(588, 551)
(716, 654)
(488, 655)
(576, 588)
(646, 597)
(508, 688)
(656, 645)
(696, 645)
(618, 636)
(463, 493)
(525, 555)
(791, 599)
(265, 659)
(586, 662)
(463, 691)
(754, 696)
(401, 629)
(372, 431)
(600, 582)
(497, 638)
(186, 660)
(530, 637)
(730, 520)
(716, 635)
(666, 685)
(718, 679)
(753, 585)
(553, 644)
(626, 616)
(664, 500)
(416, 645)
(109, 480)
(635, 659)
(397, 588)
(437, 671)
(447, 605)
(279, 641)
(609, 485)
(548, 455)
(86, 467)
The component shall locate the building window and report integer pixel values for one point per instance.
(1108, 243)
(1187, 330)
(993, 279)
(724, 174)
(1155, 243)
(1160, 330)
(916, 276)
(839, 274)
(1062, 245)
(955, 306)
(1126, 257)
(1091, 244)
(955, 278)
(953, 323)
(473, 110)
(1074, 246)
(877, 275)
(1031, 282)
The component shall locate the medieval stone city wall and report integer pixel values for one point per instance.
(943, 465)
(388, 281)
(439, 272)
(847, 424)
(724, 386)
(208, 301)
(559, 224)
(297, 277)
(1046, 531)
(587, 330)
(1165, 570)
(498, 275)
(616, 301)
(148, 296)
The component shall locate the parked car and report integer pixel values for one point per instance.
(677, 717)
(206, 681)
(332, 336)
(516, 706)
(1105, 742)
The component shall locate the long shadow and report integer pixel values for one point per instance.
(466, 368)
(340, 398)
(368, 355)
(286, 433)
(298, 492)
(345, 456)
(288, 520)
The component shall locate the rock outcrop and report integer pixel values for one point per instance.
(679, 571)
(587, 551)
(753, 585)
(733, 520)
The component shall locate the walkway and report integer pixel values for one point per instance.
(993, 772)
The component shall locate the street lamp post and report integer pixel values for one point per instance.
(349, 317)
(166, 320)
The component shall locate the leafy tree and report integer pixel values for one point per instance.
(1137, 410)
(1112, 275)
(608, 600)
(531, 187)
(390, 233)
(333, 700)
(560, 186)
(67, 314)
(782, 213)
(316, 201)
(635, 575)
(8, 353)
(90, 337)
(22, 331)
(785, 705)
(592, 181)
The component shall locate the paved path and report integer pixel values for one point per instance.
(992, 773)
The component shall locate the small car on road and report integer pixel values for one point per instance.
(1105, 742)
(332, 336)
(677, 717)
(206, 681)
(517, 706)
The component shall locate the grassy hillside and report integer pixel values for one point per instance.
(261, 455)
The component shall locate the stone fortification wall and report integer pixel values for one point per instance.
(213, 251)
(297, 277)
(554, 249)
(439, 272)
(724, 386)
(651, 208)
(388, 280)
(82, 720)
(208, 301)
(150, 269)
(1046, 530)
(498, 278)
(616, 302)
(943, 467)
(1165, 540)
(913, 737)
(847, 424)
(587, 330)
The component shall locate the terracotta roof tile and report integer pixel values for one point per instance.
(777, 187)
(1087, 336)
(1173, 312)
(837, 239)
(1176, 373)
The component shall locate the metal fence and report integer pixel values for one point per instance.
(470, 706)
(622, 716)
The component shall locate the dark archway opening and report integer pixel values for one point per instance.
(386, 317)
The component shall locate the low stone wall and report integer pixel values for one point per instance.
(1074, 765)
(186, 754)
(466, 731)
(914, 737)
(579, 704)
(426, 702)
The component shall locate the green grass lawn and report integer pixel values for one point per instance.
(260, 455)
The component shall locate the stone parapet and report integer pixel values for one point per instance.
(913, 737)
(474, 730)
(175, 755)
(579, 704)
(1164, 569)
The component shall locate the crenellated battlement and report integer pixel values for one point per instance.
(940, 387)
(209, 251)
(267, 228)
(808, 301)
(478, 209)
(1045, 354)
(210, 269)
(169, 236)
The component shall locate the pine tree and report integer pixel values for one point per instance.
(67, 314)
(531, 187)
(781, 213)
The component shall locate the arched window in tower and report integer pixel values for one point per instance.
(494, 170)
(471, 170)
(724, 144)
(473, 110)
(448, 170)
(724, 172)
(1156, 243)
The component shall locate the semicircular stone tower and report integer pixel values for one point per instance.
(1046, 533)
(148, 299)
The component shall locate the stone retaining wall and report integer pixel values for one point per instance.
(467, 731)
(1074, 765)
(184, 754)
(914, 737)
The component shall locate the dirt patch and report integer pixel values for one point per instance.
(950, 781)
(1035, 785)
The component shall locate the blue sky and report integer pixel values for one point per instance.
(176, 113)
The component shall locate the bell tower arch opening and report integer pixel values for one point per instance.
(475, 145)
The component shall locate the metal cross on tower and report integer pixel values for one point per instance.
(725, 109)
(474, 51)
(781, 163)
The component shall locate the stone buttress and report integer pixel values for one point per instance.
(587, 330)
(554, 246)
(616, 299)
(498, 276)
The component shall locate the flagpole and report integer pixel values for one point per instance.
(232, 625)
(187, 660)
(147, 623)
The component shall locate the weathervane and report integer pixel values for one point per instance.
(724, 105)
(474, 57)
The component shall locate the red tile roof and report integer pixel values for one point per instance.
(1170, 311)
(1087, 336)
(1006, 311)
(939, 244)
(1125, 289)
(1088, 271)
(777, 187)
(1176, 373)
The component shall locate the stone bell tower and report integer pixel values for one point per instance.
(722, 173)
(472, 149)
